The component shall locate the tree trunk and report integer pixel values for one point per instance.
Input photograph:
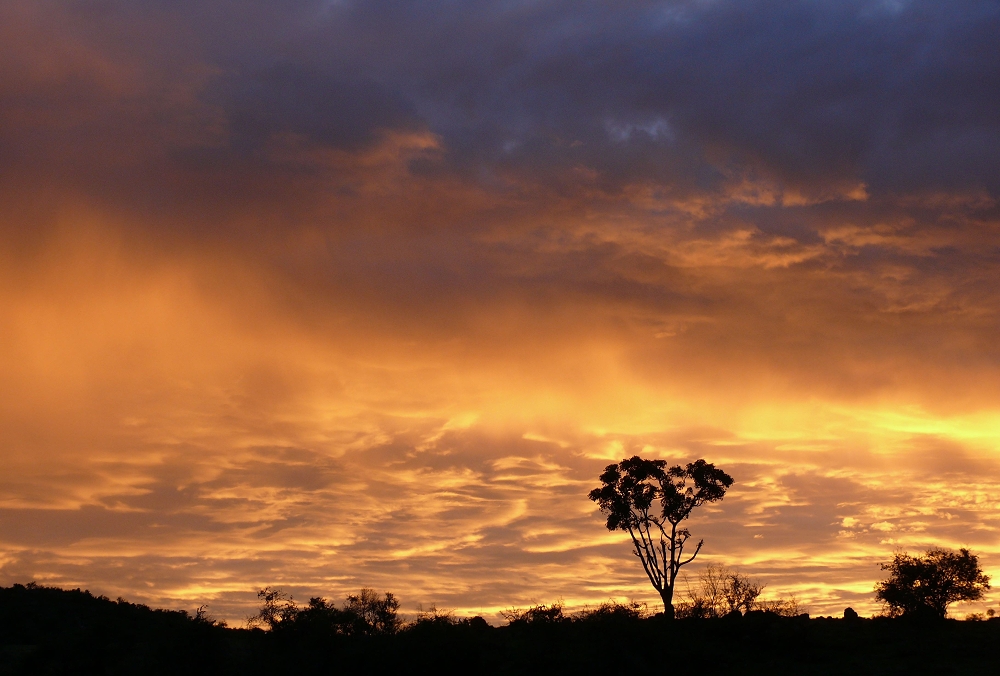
(667, 595)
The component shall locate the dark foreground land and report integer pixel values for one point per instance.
(51, 631)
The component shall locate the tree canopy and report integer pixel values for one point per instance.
(927, 585)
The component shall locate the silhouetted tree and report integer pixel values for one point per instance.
(649, 501)
(378, 614)
(276, 607)
(926, 585)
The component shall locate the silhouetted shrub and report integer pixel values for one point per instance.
(435, 616)
(613, 611)
(722, 591)
(540, 614)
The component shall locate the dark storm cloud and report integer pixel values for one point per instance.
(896, 94)
(900, 95)
(692, 95)
(328, 109)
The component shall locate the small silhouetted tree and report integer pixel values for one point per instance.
(649, 501)
(927, 585)
(276, 607)
(377, 613)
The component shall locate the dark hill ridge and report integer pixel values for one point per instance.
(52, 631)
(48, 630)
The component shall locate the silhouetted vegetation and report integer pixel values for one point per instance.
(927, 585)
(364, 614)
(722, 591)
(628, 494)
(51, 631)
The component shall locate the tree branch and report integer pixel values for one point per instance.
(654, 580)
(696, 550)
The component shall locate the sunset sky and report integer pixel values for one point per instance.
(324, 295)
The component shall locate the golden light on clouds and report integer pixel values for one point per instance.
(290, 322)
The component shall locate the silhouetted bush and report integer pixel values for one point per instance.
(613, 611)
(534, 615)
(722, 591)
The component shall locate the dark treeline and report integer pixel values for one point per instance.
(52, 631)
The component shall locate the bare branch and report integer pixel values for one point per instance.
(696, 550)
